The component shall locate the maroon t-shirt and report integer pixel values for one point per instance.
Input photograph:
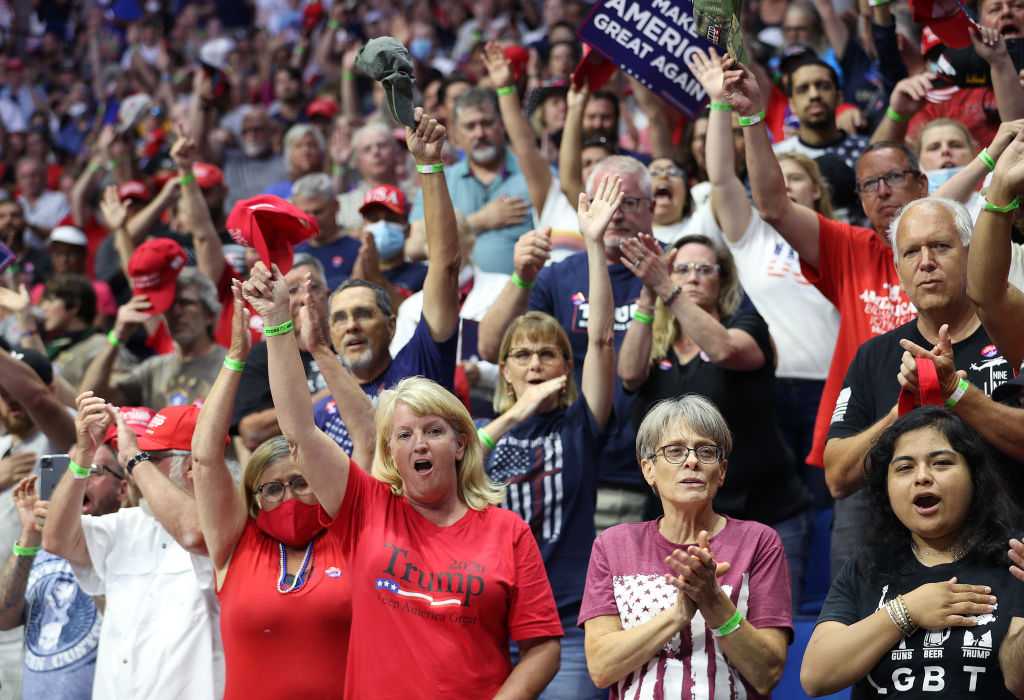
(627, 578)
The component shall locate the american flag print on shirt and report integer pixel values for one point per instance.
(691, 666)
(532, 469)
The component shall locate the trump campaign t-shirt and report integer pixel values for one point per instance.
(422, 356)
(856, 272)
(627, 579)
(434, 608)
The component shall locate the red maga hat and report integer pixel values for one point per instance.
(207, 175)
(386, 196)
(519, 58)
(947, 18)
(170, 429)
(135, 417)
(154, 268)
(271, 226)
(133, 189)
(322, 107)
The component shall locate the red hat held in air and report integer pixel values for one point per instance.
(272, 226)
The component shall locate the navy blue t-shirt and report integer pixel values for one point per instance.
(338, 258)
(549, 466)
(422, 356)
(409, 276)
(563, 290)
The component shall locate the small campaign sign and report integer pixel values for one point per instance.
(651, 40)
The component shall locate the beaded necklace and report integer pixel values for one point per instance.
(300, 576)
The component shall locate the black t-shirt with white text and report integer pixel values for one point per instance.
(952, 663)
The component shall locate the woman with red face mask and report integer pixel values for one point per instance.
(281, 574)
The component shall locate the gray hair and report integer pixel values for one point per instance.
(692, 410)
(179, 464)
(380, 295)
(374, 127)
(296, 133)
(623, 166)
(308, 260)
(191, 277)
(475, 98)
(961, 219)
(313, 186)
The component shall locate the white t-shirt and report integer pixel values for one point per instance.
(161, 627)
(803, 323)
(486, 288)
(974, 206)
(560, 214)
(701, 221)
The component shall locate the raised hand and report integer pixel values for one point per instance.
(25, 498)
(241, 340)
(988, 43)
(15, 302)
(426, 141)
(1008, 178)
(313, 331)
(14, 468)
(267, 293)
(740, 88)
(535, 396)
(595, 215)
(908, 96)
(185, 151)
(91, 421)
(498, 67)
(115, 212)
(531, 253)
(936, 606)
(647, 263)
(708, 70)
(577, 97)
(1016, 554)
(941, 355)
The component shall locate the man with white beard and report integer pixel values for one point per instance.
(250, 169)
(487, 184)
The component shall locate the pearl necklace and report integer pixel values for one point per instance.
(300, 575)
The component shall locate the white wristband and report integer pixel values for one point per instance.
(961, 388)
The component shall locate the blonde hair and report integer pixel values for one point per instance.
(666, 329)
(427, 398)
(541, 328)
(944, 121)
(824, 204)
(268, 453)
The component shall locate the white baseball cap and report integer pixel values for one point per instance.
(69, 235)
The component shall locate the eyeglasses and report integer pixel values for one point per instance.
(700, 269)
(273, 491)
(98, 469)
(677, 454)
(632, 203)
(891, 180)
(547, 356)
(670, 171)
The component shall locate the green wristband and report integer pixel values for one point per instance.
(280, 329)
(987, 159)
(187, 179)
(233, 364)
(961, 388)
(641, 317)
(333, 24)
(506, 90)
(348, 75)
(520, 282)
(894, 115)
(1005, 209)
(720, 107)
(729, 626)
(112, 338)
(752, 119)
(77, 470)
(20, 551)
(429, 168)
(486, 439)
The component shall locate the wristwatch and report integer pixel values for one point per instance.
(139, 457)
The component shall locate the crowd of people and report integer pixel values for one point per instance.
(509, 380)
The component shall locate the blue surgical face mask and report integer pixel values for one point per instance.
(420, 48)
(938, 178)
(389, 238)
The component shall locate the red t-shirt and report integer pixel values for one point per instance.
(290, 645)
(975, 108)
(433, 608)
(857, 274)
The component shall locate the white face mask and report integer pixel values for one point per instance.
(938, 178)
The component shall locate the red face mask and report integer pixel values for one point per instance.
(293, 523)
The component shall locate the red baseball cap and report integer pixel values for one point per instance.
(386, 196)
(154, 268)
(133, 189)
(271, 226)
(170, 429)
(322, 107)
(135, 417)
(593, 70)
(519, 57)
(207, 175)
(947, 18)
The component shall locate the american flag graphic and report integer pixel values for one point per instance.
(690, 666)
(386, 584)
(532, 470)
